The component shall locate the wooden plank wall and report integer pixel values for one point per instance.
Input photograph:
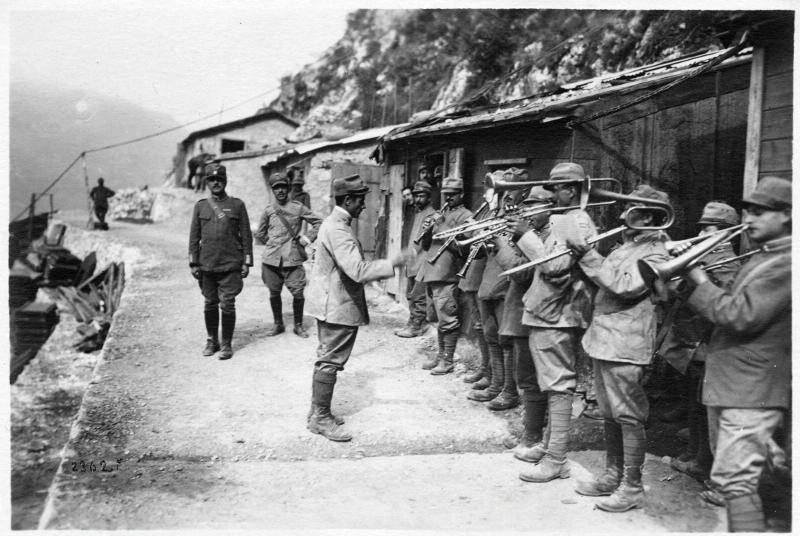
(776, 119)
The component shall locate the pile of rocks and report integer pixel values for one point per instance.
(132, 204)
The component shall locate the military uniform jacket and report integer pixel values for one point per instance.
(749, 355)
(220, 244)
(419, 217)
(281, 249)
(445, 268)
(100, 195)
(509, 256)
(559, 296)
(624, 321)
(492, 286)
(336, 286)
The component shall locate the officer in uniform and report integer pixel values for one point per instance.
(620, 341)
(440, 276)
(747, 387)
(530, 447)
(282, 260)
(337, 300)
(297, 193)
(415, 290)
(220, 256)
(558, 309)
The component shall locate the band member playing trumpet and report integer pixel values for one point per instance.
(440, 276)
(557, 309)
(748, 364)
(530, 446)
(415, 290)
(620, 341)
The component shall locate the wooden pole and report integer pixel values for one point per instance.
(31, 213)
(753, 139)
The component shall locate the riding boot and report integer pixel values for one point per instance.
(554, 463)
(531, 447)
(321, 421)
(297, 309)
(339, 420)
(445, 365)
(745, 514)
(508, 397)
(482, 371)
(606, 483)
(432, 361)
(277, 314)
(212, 329)
(228, 325)
(498, 377)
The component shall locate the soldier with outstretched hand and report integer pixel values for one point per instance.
(220, 256)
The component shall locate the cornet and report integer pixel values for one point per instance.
(688, 259)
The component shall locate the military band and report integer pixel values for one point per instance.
(528, 261)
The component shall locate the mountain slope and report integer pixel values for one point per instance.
(50, 126)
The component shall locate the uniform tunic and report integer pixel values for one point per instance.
(281, 250)
(220, 244)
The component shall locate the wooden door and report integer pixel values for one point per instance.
(367, 226)
(397, 284)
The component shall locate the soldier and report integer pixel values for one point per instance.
(284, 254)
(297, 193)
(530, 447)
(337, 299)
(220, 256)
(440, 276)
(621, 340)
(558, 309)
(100, 196)
(415, 290)
(747, 386)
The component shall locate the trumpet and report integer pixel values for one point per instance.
(627, 216)
(676, 247)
(427, 224)
(687, 260)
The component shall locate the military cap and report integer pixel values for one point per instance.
(352, 185)
(567, 170)
(297, 177)
(278, 179)
(648, 192)
(772, 193)
(539, 195)
(515, 174)
(422, 187)
(450, 184)
(719, 213)
(215, 170)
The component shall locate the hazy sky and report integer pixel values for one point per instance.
(183, 60)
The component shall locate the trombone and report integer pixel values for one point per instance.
(777, 245)
(688, 259)
(627, 216)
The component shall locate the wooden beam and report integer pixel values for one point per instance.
(506, 162)
(754, 110)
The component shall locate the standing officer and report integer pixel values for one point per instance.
(440, 276)
(747, 387)
(100, 195)
(337, 298)
(557, 308)
(297, 193)
(415, 290)
(220, 256)
(620, 341)
(282, 260)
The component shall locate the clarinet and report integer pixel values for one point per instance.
(473, 252)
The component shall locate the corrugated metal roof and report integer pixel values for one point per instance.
(572, 95)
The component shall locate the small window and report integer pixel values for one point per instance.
(231, 146)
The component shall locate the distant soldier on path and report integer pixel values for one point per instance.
(220, 256)
(99, 196)
(337, 296)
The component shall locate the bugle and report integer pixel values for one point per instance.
(687, 260)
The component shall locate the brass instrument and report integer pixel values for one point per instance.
(502, 186)
(676, 247)
(427, 225)
(777, 245)
(627, 216)
(687, 260)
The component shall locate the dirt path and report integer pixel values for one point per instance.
(193, 442)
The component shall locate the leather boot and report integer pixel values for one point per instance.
(629, 494)
(445, 365)
(546, 470)
(485, 366)
(228, 325)
(745, 514)
(277, 314)
(297, 309)
(498, 376)
(414, 328)
(606, 483)
(531, 447)
(432, 361)
(211, 319)
(508, 397)
(321, 421)
(212, 346)
(338, 420)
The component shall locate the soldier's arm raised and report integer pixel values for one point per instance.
(349, 259)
